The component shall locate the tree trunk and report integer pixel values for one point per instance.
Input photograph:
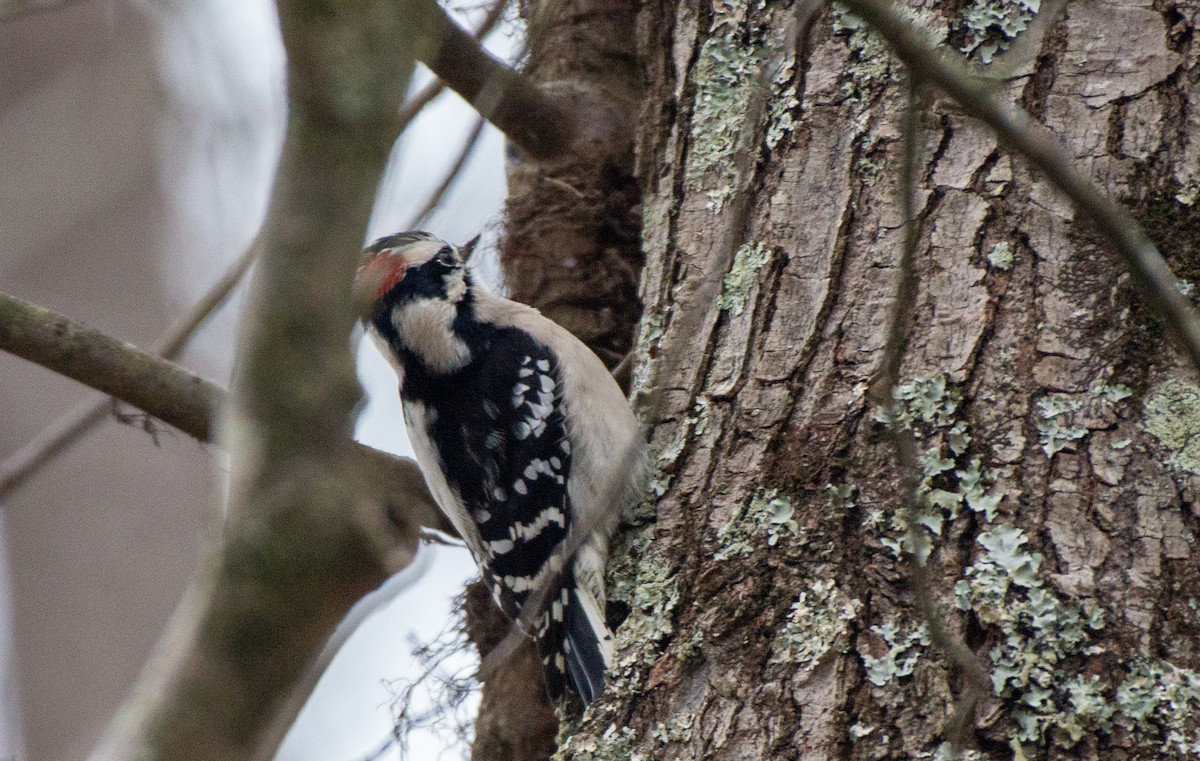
(768, 614)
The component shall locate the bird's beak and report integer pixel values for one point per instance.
(468, 248)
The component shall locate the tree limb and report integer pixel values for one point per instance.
(152, 384)
(426, 95)
(60, 435)
(543, 125)
(1042, 148)
(300, 543)
(144, 375)
(13, 8)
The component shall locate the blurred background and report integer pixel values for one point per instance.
(138, 141)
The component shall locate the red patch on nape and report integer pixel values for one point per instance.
(379, 274)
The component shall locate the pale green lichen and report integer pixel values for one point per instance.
(649, 586)
(842, 497)
(1172, 415)
(767, 513)
(784, 100)
(1115, 392)
(726, 75)
(947, 752)
(858, 731)
(871, 63)
(650, 333)
(677, 729)
(903, 652)
(691, 648)
(1188, 193)
(1162, 701)
(974, 493)
(1001, 256)
(927, 408)
(747, 262)
(731, 79)
(1040, 635)
(614, 744)
(700, 413)
(929, 401)
(992, 25)
(1054, 433)
(816, 622)
(663, 454)
(621, 572)
(1040, 674)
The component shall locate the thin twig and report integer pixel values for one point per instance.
(50, 442)
(1043, 149)
(426, 95)
(883, 391)
(57, 437)
(435, 198)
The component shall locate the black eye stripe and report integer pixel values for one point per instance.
(445, 257)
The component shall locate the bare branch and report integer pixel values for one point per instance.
(155, 377)
(60, 435)
(173, 341)
(301, 541)
(160, 388)
(435, 198)
(540, 123)
(417, 103)
(49, 443)
(1037, 144)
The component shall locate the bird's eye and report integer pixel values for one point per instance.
(445, 258)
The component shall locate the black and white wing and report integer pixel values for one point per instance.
(505, 451)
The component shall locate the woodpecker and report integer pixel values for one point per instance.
(522, 436)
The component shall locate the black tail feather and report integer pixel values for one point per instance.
(570, 647)
(585, 661)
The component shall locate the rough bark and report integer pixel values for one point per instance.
(768, 616)
(571, 244)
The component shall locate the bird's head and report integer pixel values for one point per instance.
(410, 266)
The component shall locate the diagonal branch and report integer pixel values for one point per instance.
(426, 95)
(183, 399)
(152, 384)
(1041, 148)
(904, 446)
(14, 8)
(542, 124)
(60, 435)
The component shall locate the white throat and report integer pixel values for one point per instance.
(426, 329)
